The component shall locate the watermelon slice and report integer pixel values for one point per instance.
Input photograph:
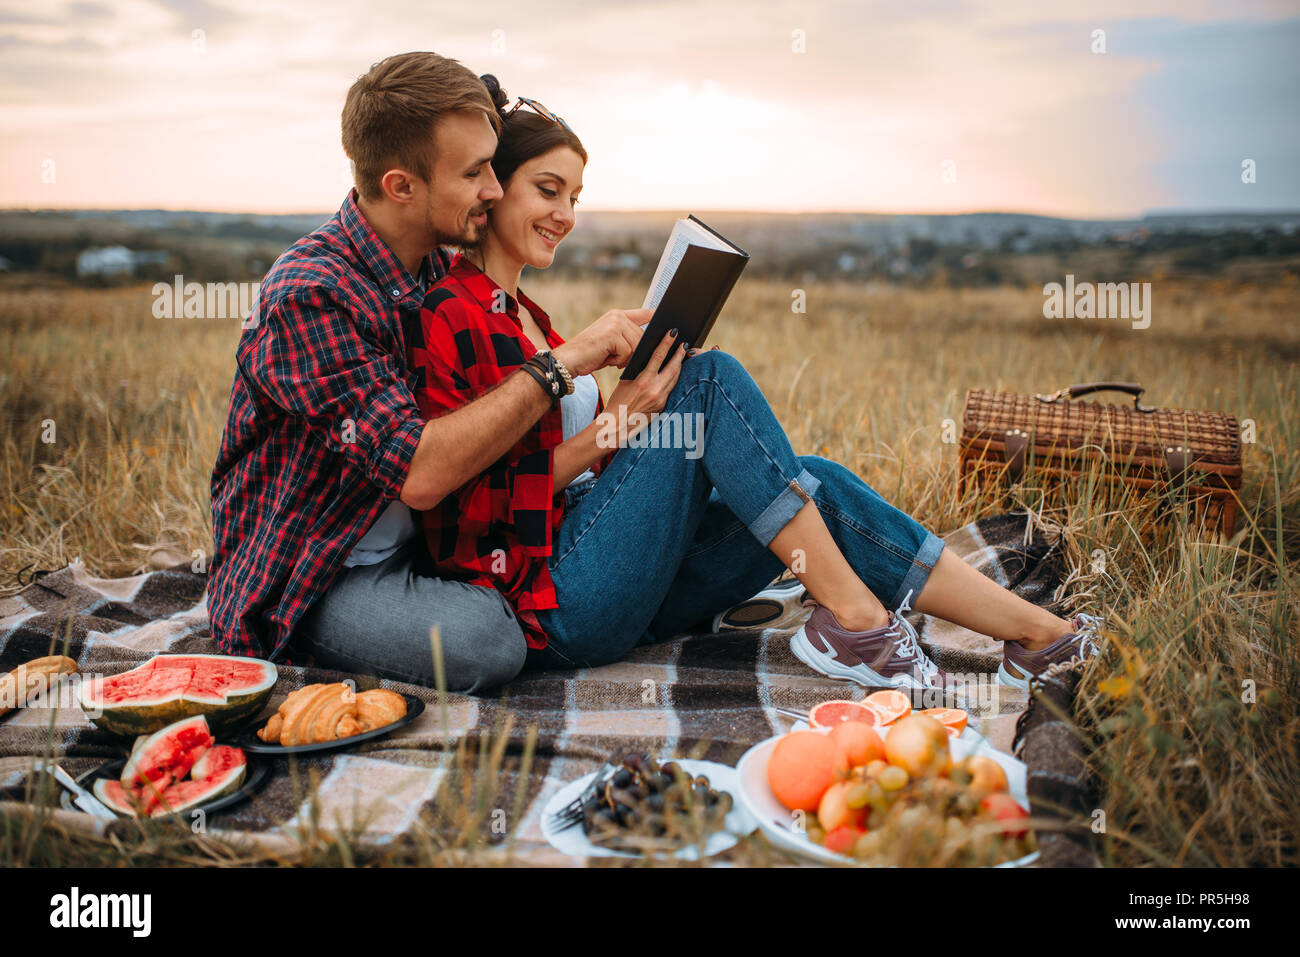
(174, 770)
(167, 688)
(165, 757)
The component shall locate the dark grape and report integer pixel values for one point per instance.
(622, 778)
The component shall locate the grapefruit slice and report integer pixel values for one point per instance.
(830, 713)
(889, 705)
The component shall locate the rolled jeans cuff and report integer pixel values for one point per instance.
(785, 506)
(919, 572)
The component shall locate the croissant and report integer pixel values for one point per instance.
(327, 712)
(377, 707)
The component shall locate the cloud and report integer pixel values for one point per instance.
(680, 103)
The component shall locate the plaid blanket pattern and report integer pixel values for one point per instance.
(705, 696)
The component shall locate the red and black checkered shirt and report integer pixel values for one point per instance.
(496, 530)
(320, 433)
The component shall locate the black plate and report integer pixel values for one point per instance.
(253, 776)
(249, 740)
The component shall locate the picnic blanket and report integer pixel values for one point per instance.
(709, 696)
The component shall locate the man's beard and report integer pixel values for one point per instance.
(470, 237)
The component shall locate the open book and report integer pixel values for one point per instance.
(696, 272)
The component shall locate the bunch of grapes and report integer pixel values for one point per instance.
(643, 805)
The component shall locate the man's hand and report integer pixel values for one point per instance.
(609, 341)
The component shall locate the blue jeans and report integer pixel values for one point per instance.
(663, 540)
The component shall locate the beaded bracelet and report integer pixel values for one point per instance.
(547, 380)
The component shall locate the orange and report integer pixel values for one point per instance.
(833, 811)
(889, 706)
(801, 768)
(918, 745)
(856, 744)
(948, 717)
(830, 713)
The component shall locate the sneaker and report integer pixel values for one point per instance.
(889, 656)
(778, 605)
(1020, 665)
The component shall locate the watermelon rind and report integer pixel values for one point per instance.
(116, 800)
(113, 798)
(226, 783)
(142, 716)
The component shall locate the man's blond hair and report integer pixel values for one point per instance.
(389, 114)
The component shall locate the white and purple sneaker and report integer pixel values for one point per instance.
(889, 656)
(1020, 666)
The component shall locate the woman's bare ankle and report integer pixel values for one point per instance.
(1044, 635)
(861, 618)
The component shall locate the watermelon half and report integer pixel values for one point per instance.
(228, 690)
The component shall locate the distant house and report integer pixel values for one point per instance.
(115, 260)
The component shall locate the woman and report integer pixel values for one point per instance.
(601, 546)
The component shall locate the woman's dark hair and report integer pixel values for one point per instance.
(524, 135)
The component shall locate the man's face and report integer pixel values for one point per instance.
(463, 185)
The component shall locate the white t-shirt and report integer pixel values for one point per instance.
(579, 411)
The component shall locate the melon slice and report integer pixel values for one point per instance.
(222, 768)
(115, 797)
(167, 688)
(154, 779)
(165, 757)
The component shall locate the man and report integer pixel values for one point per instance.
(318, 555)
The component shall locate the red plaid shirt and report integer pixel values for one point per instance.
(496, 530)
(320, 433)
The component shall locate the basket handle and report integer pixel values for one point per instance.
(1083, 388)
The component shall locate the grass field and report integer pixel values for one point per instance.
(1194, 719)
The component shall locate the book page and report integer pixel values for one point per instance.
(686, 232)
(673, 252)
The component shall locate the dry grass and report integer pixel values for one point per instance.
(1195, 774)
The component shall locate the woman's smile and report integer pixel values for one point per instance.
(550, 235)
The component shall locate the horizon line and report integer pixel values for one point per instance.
(1159, 211)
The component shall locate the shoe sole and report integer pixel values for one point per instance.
(771, 604)
(1004, 677)
(804, 651)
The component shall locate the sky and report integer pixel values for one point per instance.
(1094, 109)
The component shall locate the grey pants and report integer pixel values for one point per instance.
(376, 619)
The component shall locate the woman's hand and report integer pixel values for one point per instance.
(634, 401)
(628, 411)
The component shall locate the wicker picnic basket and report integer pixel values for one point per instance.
(1157, 451)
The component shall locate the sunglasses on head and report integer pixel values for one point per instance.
(539, 110)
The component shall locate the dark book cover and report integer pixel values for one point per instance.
(696, 294)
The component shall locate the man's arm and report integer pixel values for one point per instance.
(465, 442)
(462, 444)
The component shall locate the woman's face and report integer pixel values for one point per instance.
(536, 212)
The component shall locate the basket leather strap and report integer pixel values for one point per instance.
(1016, 442)
(1178, 460)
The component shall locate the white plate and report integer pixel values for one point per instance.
(777, 821)
(573, 840)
